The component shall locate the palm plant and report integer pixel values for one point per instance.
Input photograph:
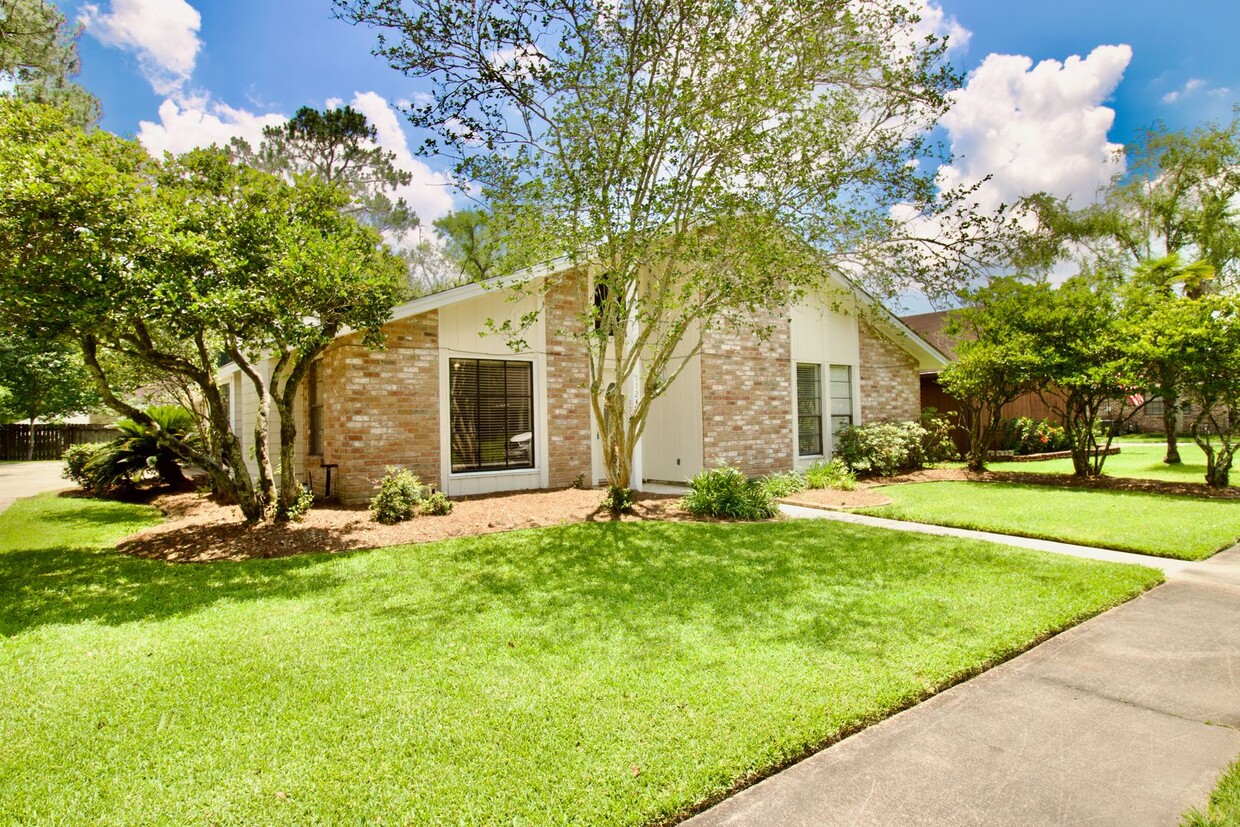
(136, 453)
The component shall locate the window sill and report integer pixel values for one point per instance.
(504, 472)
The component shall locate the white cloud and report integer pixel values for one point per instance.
(162, 33)
(1036, 128)
(429, 192)
(1193, 85)
(934, 21)
(199, 122)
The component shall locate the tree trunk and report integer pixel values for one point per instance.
(1169, 417)
(290, 487)
(169, 471)
(30, 442)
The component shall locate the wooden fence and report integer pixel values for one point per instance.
(50, 441)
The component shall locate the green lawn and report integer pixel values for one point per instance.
(1186, 528)
(594, 673)
(1136, 458)
(1224, 807)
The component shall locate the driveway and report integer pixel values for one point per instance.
(25, 479)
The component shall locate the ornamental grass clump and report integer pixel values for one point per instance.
(400, 493)
(783, 485)
(726, 492)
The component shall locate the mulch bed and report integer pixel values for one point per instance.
(200, 530)
(833, 500)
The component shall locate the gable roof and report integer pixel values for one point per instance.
(929, 326)
(929, 356)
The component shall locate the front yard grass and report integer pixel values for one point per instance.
(589, 673)
(1186, 528)
(1137, 458)
(1224, 807)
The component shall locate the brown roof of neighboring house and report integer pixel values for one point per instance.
(929, 326)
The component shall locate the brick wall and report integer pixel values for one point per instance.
(568, 391)
(747, 399)
(380, 408)
(890, 384)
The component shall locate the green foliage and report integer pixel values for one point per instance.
(617, 500)
(1224, 807)
(296, 510)
(783, 484)
(42, 378)
(437, 504)
(137, 454)
(882, 448)
(338, 147)
(76, 458)
(726, 492)
(937, 445)
(400, 492)
(1025, 436)
(831, 473)
(38, 52)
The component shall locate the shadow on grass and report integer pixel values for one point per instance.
(60, 585)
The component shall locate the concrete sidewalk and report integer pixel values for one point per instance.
(1127, 719)
(25, 479)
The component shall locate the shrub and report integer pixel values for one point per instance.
(437, 505)
(298, 509)
(617, 500)
(76, 458)
(781, 485)
(136, 453)
(882, 448)
(833, 474)
(1027, 436)
(726, 492)
(937, 445)
(400, 492)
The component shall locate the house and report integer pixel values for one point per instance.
(930, 327)
(471, 416)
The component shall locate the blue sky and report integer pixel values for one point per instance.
(177, 73)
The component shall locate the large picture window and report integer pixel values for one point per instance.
(492, 412)
(809, 410)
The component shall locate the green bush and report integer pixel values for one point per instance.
(883, 448)
(617, 500)
(298, 509)
(400, 492)
(437, 505)
(726, 492)
(782, 485)
(937, 445)
(833, 474)
(76, 458)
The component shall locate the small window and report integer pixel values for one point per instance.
(492, 408)
(1154, 407)
(809, 410)
(314, 392)
(841, 397)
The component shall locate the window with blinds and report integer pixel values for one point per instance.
(841, 397)
(314, 393)
(492, 412)
(809, 410)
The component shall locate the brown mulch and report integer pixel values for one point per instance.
(199, 530)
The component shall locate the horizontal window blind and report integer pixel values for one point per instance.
(809, 410)
(492, 413)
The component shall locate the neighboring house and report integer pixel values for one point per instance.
(471, 416)
(930, 327)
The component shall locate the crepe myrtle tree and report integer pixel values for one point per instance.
(709, 160)
(167, 265)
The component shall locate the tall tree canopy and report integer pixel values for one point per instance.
(711, 159)
(38, 51)
(339, 147)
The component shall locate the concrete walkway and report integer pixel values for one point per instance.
(25, 479)
(1127, 719)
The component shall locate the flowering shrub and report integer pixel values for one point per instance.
(882, 448)
(937, 445)
(1027, 436)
